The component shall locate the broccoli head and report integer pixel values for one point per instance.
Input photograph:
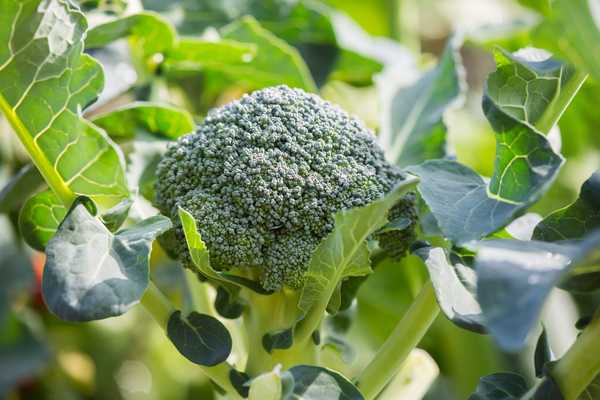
(263, 177)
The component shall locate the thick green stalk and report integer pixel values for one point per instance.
(581, 363)
(269, 314)
(160, 308)
(405, 337)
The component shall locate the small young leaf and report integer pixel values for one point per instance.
(239, 381)
(501, 386)
(92, 274)
(40, 217)
(114, 217)
(201, 257)
(266, 386)
(515, 277)
(227, 305)
(416, 130)
(282, 339)
(456, 299)
(318, 383)
(200, 338)
(138, 118)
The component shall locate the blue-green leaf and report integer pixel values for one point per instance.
(200, 338)
(416, 130)
(515, 277)
(464, 205)
(318, 383)
(501, 386)
(92, 274)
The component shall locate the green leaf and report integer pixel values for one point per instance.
(23, 184)
(114, 218)
(501, 386)
(334, 258)
(266, 386)
(200, 338)
(46, 81)
(136, 119)
(577, 219)
(416, 130)
(39, 219)
(355, 273)
(227, 305)
(192, 55)
(592, 391)
(542, 355)
(454, 286)
(515, 277)
(465, 207)
(149, 32)
(282, 339)
(92, 274)
(318, 383)
(201, 257)
(17, 274)
(275, 62)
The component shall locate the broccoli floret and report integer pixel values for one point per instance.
(396, 237)
(263, 177)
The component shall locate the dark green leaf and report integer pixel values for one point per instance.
(282, 339)
(92, 274)
(416, 129)
(515, 277)
(48, 82)
(454, 286)
(39, 219)
(200, 338)
(317, 383)
(114, 217)
(543, 354)
(239, 381)
(133, 120)
(25, 183)
(227, 305)
(501, 386)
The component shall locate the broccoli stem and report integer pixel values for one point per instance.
(580, 365)
(160, 308)
(268, 314)
(408, 333)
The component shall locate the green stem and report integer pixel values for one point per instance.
(563, 98)
(405, 337)
(581, 363)
(160, 308)
(51, 176)
(268, 314)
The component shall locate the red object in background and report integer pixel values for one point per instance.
(37, 264)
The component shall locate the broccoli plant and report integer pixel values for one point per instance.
(279, 207)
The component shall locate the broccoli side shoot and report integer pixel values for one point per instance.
(263, 177)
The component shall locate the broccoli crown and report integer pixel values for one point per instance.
(263, 177)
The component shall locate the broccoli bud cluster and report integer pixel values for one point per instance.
(263, 177)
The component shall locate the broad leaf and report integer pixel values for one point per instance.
(464, 205)
(275, 62)
(501, 386)
(201, 256)
(136, 119)
(148, 31)
(200, 338)
(416, 130)
(92, 274)
(575, 220)
(317, 383)
(23, 184)
(334, 258)
(454, 287)
(515, 277)
(46, 81)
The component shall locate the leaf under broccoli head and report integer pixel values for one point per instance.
(263, 177)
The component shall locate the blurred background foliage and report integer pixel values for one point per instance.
(128, 357)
